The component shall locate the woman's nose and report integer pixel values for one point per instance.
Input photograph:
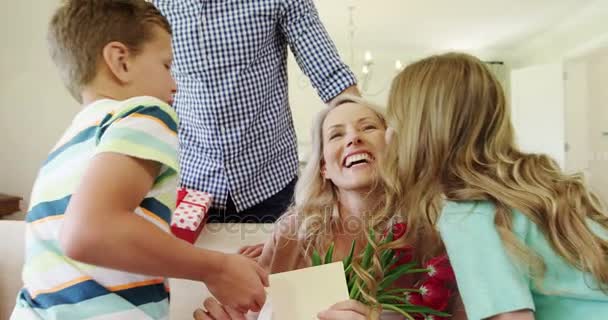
(353, 139)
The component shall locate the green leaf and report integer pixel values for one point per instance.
(369, 252)
(349, 259)
(393, 261)
(395, 274)
(329, 256)
(387, 298)
(316, 259)
(387, 255)
(354, 293)
(397, 291)
(389, 238)
(401, 268)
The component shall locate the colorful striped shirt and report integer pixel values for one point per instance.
(57, 287)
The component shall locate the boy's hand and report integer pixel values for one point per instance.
(215, 311)
(239, 284)
(346, 310)
(252, 251)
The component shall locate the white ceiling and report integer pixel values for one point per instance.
(488, 26)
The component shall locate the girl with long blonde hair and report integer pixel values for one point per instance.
(525, 240)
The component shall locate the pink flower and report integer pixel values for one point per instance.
(435, 295)
(440, 269)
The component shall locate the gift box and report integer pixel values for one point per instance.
(190, 214)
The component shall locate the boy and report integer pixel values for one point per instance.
(97, 237)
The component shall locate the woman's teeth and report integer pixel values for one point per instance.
(356, 159)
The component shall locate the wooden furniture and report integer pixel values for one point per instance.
(8, 204)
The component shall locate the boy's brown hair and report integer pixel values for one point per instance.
(80, 29)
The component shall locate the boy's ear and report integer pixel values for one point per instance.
(116, 56)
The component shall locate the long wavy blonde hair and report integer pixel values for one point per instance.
(317, 202)
(455, 141)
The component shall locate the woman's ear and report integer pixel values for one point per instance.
(323, 171)
(116, 57)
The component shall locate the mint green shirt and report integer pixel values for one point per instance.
(490, 283)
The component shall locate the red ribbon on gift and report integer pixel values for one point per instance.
(190, 214)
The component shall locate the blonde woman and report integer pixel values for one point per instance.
(526, 241)
(335, 199)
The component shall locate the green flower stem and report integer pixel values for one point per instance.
(396, 309)
(355, 292)
(399, 291)
(387, 298)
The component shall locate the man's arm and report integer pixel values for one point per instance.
(314, 50)
(352, 90)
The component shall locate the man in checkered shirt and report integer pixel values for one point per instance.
(237, 137)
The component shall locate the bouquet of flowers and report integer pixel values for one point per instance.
(426, 300)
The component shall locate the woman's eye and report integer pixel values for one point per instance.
(370, 127)
(334, 135)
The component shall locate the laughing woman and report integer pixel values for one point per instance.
(526, 241)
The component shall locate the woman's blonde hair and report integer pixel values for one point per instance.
(316, 200)
(455, 141)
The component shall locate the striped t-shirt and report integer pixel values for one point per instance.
(57, 287)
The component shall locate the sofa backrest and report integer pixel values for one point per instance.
(12, 241)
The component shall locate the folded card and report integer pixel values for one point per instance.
(303, 293)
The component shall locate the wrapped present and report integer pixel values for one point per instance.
(190, 214)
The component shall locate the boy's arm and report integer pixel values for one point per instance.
(101, 228)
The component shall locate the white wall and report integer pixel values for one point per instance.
(537, 98)
(598, 123)
(577, 32)
(577, 116)
(34, 107)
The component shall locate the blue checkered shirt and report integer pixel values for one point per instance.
(236, 129)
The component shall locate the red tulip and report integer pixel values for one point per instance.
(404, 255)
(414, 298)
(440, 269)
(435, 295)
(399, 230)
